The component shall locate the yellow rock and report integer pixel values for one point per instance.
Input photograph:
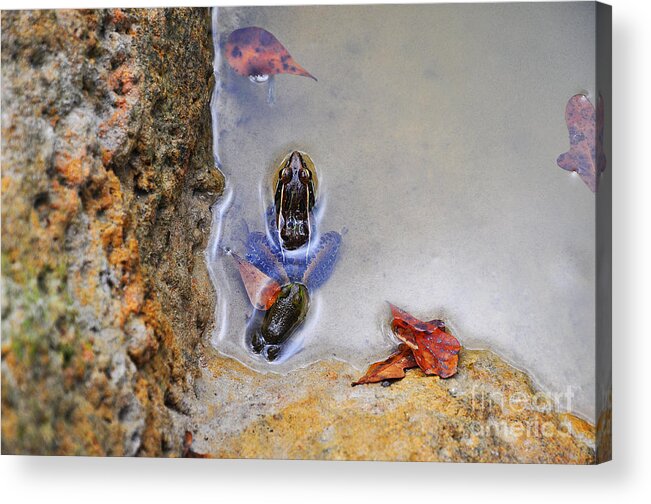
(488, 412)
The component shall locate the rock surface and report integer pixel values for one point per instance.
(488, 412)
(107, 179)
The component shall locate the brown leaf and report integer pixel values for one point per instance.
(188, 452)
(435, 350)
(391, 368)
(437, 353)
(586, 129)
(261, 289)
(254, 51)
(405, 325)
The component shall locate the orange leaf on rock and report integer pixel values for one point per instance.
(437, 353)
(406, 326)
(402, 325)
(254, 51)
(435, 350)
(391, 368)
(261, 289)
(426, 345)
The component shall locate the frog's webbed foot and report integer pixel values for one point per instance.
(321, 260)
(272, 230)
(261, 347)
(265, 256)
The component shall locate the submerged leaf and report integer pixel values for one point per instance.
(254, 52)
(586, 129)
(391, 368)
(261, 289)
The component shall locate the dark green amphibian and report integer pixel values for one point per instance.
(281, 320)
(292, 252)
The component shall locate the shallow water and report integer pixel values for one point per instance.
(435, 131)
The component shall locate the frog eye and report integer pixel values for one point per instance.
(285, 174)
(313, 176)
(304, 175)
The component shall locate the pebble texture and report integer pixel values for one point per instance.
(107, 178)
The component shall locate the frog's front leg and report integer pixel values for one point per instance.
(270, 219)
(321, 260)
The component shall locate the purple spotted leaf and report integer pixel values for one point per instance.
(254, 51)
(585, 126)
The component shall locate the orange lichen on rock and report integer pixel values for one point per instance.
(122, 81)
(101, 319)
(133, 298)
(75, 167)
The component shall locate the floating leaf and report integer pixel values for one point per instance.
(188, 452)
(391, 368)
(254, 52)
(586, 129)
(261, 289)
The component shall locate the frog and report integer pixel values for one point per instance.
(295, 186)
(273, 328)
(292, 252)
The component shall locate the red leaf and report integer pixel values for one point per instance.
(586, 129)
(391, 368)
(188, 452)
(406, 325)
(427, 345)
(261, 289)
(255, 51)
(436, 351)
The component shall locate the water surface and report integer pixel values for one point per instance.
(435, 130)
